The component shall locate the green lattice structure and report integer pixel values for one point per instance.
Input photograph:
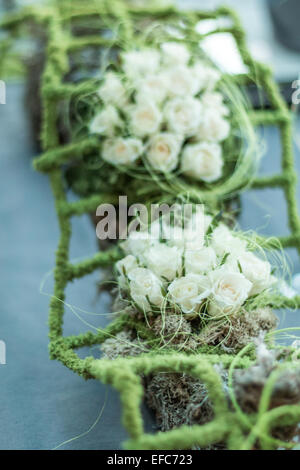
(230, 426)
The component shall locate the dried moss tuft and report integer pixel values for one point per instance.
(178, 399)
(123, 344)
(242, 328)
(175, 331)
(250, 383)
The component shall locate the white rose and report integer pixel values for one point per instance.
(223, 241)
(208, 77)
(175, 53)
(112, 90)
(214, 101)
(199, 221)
(127, 264)
(140, 63)
(145, 287)
(193, 241)
(121, 151)
(257, 271)
(145, 118)
(200, 261)
(213, 127)
(124, 266)
(106, 121)
(176, 236)
(185, 238)
(181, 81)
(202, 161)
(229, 291)
(161, 228)
(163, 151)
(138, 243)
(153, 88)
(191, 235)
(164, 261)
(183, 115)
(189, 292)
(156, 230)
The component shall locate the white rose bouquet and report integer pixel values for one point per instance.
(200, 268)
(192, 284)
(162, 112)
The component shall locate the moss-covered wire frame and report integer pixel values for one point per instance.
(55, 89)
(124, 374)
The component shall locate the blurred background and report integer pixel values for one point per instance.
(42, 403)
(272, 28)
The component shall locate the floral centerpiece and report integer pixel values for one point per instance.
(200, 269)
(169, 122)
(163, 109)
(198, 285)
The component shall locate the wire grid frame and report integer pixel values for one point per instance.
(228, 426)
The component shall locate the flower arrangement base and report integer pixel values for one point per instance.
(181, 399)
